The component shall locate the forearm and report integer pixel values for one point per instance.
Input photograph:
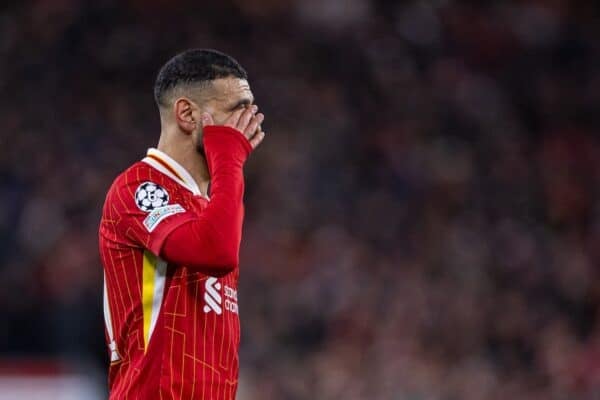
(210, 243)
(199, 246)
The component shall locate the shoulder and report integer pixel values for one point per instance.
(141, 187)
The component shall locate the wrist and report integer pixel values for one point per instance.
(217, 137)
(225, 148)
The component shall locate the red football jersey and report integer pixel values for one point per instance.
(172, 331)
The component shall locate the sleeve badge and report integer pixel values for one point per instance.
(150, 196)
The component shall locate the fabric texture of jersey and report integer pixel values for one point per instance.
(172, 329)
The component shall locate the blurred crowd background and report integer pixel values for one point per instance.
(422, 220)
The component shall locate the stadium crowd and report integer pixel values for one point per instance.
(422, 220)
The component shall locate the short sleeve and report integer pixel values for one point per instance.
(148, 211)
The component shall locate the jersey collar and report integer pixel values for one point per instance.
(165, 164)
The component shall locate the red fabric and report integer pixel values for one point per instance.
(193, 349)
(210, 243)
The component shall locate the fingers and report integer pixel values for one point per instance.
(234, 118)
(246, 121)
(207, 119)
(257, 139)
(246, 118)
(252, 127)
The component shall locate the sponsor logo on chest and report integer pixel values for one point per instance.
(216, 299)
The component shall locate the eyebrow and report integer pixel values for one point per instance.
(242, 102)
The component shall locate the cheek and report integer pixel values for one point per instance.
(220, 117)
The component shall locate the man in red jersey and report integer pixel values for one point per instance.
(170, 249)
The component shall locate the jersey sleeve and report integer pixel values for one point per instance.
(147, 210)
(211, 242)
(149, 216)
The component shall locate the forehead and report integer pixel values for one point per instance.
(230, 90)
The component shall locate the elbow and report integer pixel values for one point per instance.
(227, 256)
(219, 271)
(217, 268)
(224, 261)
(197, 248)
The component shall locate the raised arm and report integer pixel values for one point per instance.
(211, 241)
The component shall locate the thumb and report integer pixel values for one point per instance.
(206, 119)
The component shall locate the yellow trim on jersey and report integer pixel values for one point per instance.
(148, 279)
(154, 271)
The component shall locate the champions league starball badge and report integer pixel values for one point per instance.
(150, 196)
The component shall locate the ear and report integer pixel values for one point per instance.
(183, 109)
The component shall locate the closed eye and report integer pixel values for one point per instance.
(243, 103)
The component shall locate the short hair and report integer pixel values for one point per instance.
(194, 66)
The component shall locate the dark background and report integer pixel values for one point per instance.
(422, 218)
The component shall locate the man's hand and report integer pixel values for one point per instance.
(244, 120)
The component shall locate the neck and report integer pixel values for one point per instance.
(188, 157)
